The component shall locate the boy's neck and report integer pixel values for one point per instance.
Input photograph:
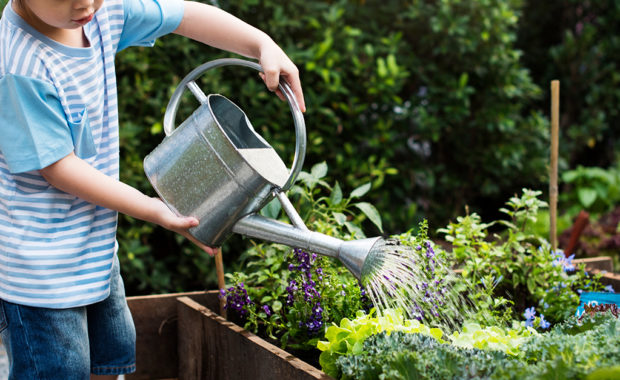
(69, 37)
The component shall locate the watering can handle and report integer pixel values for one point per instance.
(189, 83)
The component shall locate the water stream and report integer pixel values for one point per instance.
(417, 282)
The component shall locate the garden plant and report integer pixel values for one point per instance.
(420, 108)
(517, 319)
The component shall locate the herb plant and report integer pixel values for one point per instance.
(521, 266)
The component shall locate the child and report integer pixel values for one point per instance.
(63, 313)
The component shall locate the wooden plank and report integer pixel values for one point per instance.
(230, 352)
(612, 279)
(155, 318)
(190, 341)
(601, 263)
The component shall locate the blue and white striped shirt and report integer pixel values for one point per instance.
(56, 250)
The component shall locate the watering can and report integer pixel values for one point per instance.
(201, 169)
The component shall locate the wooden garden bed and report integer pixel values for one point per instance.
(179, 336)
(605, 265)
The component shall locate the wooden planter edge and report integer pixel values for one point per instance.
(211, 347)
(179, 336)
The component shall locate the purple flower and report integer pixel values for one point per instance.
(560, 259)
(237, 299)
(304, 289)
(568, 263)
(544, 324)
(610, 289)
(530, 313)
(267, 310)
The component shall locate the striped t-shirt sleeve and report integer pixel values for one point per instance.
(39, 134)
(147, 20)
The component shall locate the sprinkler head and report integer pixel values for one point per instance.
(360, 257)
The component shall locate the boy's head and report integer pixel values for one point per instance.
(57, 14)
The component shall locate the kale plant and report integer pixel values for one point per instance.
(578, 348)
(415, 356)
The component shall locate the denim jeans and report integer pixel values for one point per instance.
(70, 343)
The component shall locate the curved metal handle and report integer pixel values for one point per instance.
(189, 83)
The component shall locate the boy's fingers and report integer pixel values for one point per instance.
(271, 77)
(295, 85)
(293, 81)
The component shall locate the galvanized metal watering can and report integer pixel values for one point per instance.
(201, 169)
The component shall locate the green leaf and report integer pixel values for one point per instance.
(340, 218)
(371, 212)
(381, 68)
(336, 195)
(323, 345)
(156, 128)
(271, 209)
(463, 80)
(587, 196)
(319, 170)
(355, 230)
(606, 373)
(361, 191)
(276, 306)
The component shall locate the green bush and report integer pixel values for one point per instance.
(578, 43)
(424, 100)
(428, 100)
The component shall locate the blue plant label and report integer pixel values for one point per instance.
(596, 298)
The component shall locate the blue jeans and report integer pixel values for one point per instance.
(70, 343)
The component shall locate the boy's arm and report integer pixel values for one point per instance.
(215, 27)
(74, 176)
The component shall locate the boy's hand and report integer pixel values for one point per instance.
(75, 176)
(276, 64)
(215, 27)
(179, 224)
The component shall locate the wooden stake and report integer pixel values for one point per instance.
(553, 169)
(221, 282)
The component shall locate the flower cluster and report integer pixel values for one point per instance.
(559, 259)
(237, 299)
(303, 288)
(530, 318)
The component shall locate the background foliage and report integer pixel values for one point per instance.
(438, 103)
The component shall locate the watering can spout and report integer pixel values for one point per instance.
(353, 254)
(358, 256)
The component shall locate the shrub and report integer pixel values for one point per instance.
(427, 101)
(577, 43)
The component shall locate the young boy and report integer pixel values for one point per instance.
(63, 312)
